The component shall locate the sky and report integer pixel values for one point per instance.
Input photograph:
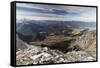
(55, 12)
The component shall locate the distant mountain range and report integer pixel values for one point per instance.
(28, 29)
(36, 26)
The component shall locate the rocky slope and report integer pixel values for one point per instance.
(20, 45)
(85, 42)
(83, 48)
(38, 55)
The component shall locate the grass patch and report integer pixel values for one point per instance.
(76, 31)
(48, 62)
(67, 38)
(39, 43)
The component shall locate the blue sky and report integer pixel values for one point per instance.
(55, 12)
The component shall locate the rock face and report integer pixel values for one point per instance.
(20, 45)
(86, 42)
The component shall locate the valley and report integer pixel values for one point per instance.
(47, 42)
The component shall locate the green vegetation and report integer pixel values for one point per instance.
(67, 38)
(39, 43)
(76, 31)
(47, 62)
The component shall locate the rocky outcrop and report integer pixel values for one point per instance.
(38, 55)
(78, 56)
(85, 42)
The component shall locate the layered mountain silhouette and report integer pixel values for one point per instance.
(28, 29)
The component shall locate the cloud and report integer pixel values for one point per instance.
(55, 12)
(43, 11)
